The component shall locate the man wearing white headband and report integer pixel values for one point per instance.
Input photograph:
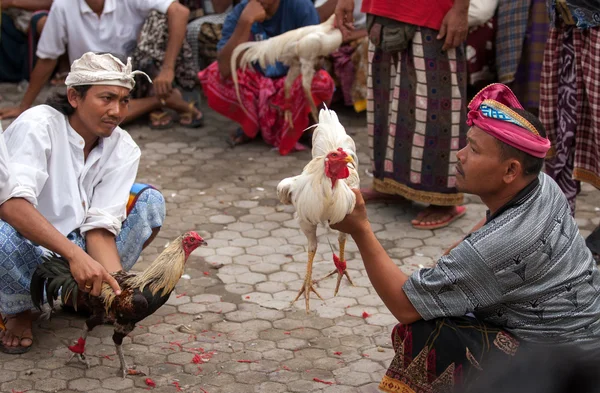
(75, 27)
(74, 170)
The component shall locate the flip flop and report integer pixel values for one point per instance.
(460, 211)
(20, 349)
(156, 118)
(192, 121)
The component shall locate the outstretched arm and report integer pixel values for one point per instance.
(25, 219)
(30, 5)
(386, 277)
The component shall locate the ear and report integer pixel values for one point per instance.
(73, 97)
(514, 170)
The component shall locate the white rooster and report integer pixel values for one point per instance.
(322, 193)
(299, 49)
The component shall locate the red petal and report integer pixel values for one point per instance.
(150, 382)
(365, 314)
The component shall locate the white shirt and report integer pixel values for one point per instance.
(72, 24)
(46, 160)
(6, 180)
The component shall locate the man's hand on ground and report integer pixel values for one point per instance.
(344, 16)
(163, 83)
(357, 221)
(87, 271)
(10, 112)
(455, 27)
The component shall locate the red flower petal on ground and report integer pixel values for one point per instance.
(177, 386)
(365, 314)
(321, 381)
(338, 353)
(197, 359)
(79, 347)
(150, 382)
(206, 273)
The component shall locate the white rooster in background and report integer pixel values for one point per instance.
(299, 49)
(322, 193)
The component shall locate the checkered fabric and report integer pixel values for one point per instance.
(586, 99)
(510, 34)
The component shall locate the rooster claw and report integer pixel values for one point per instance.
(339, 279)
(81, 358)
(306, 289)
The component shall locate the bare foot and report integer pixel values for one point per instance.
(434, 217)
(18, 336)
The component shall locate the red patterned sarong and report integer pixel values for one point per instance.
(264, 100)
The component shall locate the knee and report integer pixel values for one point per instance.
(155, 206)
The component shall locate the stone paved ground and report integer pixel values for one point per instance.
(236, 294)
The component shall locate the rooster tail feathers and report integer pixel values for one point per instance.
(52, 275)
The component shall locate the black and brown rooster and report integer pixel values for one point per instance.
(141, 294)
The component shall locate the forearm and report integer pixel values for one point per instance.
(30, 223)
(39, 76)
(30, 5)
(239, 36)
(221, 6)
(177, 18)
(326, 10)
(101, 245)
(386, 277)
(462, 4)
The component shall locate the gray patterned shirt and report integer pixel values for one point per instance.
(527, 270)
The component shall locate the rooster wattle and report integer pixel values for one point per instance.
(323, 192)
(141, 294)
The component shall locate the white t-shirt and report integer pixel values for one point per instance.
(6, 180)
(47, 164)
(72, 24)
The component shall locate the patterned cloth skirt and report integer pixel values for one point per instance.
(149, 56)
(265, 103)
(570, 107)
(416, 113)
(444, 355)
(19, 257)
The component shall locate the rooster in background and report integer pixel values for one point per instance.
(322, 193)
(141, 294)
(299, 49)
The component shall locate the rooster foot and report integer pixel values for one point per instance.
(81, 358)
(339, 279)
(306, 289)
(134, 372)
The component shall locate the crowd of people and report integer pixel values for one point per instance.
(523, 278)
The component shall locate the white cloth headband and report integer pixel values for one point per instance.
(104, 69)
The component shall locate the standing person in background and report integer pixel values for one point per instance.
(570, 98)
(521, 34)
(417, 59)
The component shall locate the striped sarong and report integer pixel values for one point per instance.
(416, 113)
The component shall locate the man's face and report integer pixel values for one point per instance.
(102, 108)
(270, 6)
(480, 169)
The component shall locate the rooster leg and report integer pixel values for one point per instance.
(308, 73)
(311, 234)
(81, 356)
(342, 243)
(291, 77)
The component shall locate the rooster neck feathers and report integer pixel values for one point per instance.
(163, 274)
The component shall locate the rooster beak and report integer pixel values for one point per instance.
(203, 243)
(349, 159)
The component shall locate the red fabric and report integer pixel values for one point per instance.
(264, 100)
(421, 13)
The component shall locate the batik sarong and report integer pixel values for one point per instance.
(570, 107)
(416, 113)
(444, 355)
(264, 102)
(19, 257)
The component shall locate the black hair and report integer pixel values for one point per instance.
(60, 102)
(531, 165)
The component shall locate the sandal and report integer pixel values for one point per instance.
(157, 120)
(191, 121)
(238, 138)
(458, 213)
(20, 349)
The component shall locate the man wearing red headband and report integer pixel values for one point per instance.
(523, 277)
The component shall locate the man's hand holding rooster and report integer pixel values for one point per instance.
(90, 274)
